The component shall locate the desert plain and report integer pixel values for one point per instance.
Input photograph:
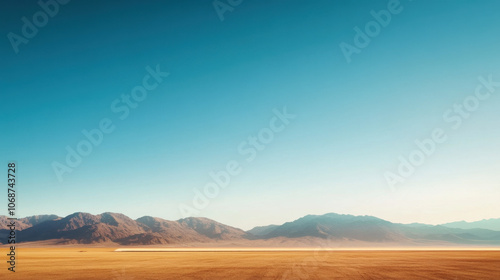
(106, 263)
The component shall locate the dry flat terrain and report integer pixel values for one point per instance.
(105, 263)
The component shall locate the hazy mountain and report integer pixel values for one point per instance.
(27, 222)
(363, 228)
(84, 228)
(453, 235)
(115, 228)
(492, 224)
(262, 231)
(212, 229)
(372, 229)
(22, 224)
(35, 220)
(160, 231)
(189, 230)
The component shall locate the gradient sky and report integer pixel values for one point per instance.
(353, 120)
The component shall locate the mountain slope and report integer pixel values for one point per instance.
(263, 230)
(491, 224)
(24, 223)
(452, 235)
(364, 228)
(212, 229)
(372, 229)
(189, 230)
(21, 224)
(160, 231)
(117, 228)
(83, 228)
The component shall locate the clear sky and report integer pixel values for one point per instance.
(353, 120)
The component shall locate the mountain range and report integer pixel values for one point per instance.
(493, 224)
(118, 229)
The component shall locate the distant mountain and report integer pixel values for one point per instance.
(212, 229)
(262, 231)
(159, 231)
(118, 229)
(372, 229)
(35, 220)
(452, 235)
(83, 228)
(22, 224)
(27, 222)
(492, 224)
(363, 228)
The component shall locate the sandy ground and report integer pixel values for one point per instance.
(105, 263)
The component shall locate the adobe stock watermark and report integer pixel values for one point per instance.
(30, 28)
(223, 6)
(363, 37)
(121, 106)
(455, 117)
(249, 149)
(308, 265)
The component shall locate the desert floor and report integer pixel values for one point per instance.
(105, 263)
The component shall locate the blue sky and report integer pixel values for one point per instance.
(353, 120)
